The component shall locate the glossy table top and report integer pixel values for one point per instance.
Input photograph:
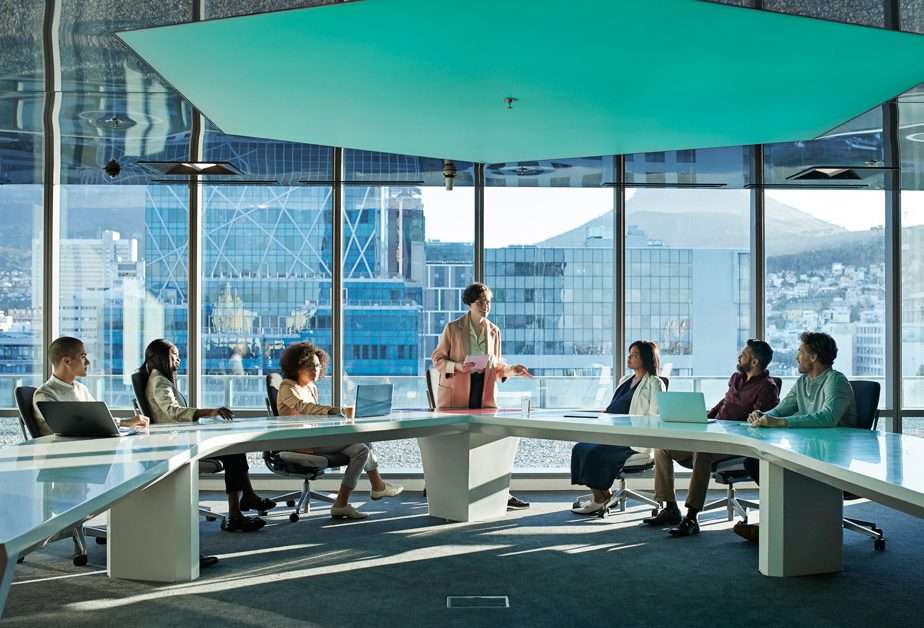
(50, 483)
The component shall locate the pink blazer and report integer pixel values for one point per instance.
(453, 389)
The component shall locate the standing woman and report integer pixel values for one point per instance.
(167, 405)
(597, 466)
(463, 384)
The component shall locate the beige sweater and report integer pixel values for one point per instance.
(57, 390)
(294, 400)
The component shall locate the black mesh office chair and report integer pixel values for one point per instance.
(207, 466)
(292, 464)
(866, 396)
(637, 463)
(730, 472)
(78, 533)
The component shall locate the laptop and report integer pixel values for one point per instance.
(86, 419)
(373, 400)
(683, 407)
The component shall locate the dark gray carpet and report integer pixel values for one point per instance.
(558, 569)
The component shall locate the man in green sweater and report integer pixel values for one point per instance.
(821, 397)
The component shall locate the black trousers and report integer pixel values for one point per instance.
(476, 391)
(753, 468)
(236, 469)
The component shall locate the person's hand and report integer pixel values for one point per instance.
(762, 420)
(464, 367)
(139, 420)
(522, 371)
(224, 413)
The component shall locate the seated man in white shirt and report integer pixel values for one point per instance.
(69, 361)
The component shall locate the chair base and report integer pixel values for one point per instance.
(622, 495)
(867, 528)
(301, 500)
(733, 505)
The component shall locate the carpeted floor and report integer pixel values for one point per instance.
(558, 569)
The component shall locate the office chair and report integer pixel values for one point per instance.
(78, 533)
(207, 466)
(292, 464)
(866, 396)
(637, 463)
(432, 378)
(730, 472)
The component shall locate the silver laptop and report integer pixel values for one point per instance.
(683, 407)
(373, 400)
(86, 419)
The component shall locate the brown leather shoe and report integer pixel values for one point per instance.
(748, 531)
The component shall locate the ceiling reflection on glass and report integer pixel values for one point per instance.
(857, 142)
(286, 163)
(582, 172)
(214, 9)
(21, 144)
(866, 12)
(91, 56)
(365, 165)
(21, 52)
(127, 128)
(728, 167)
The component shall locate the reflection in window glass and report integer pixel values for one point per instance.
(911, 138)
(912, 15)
(729, 166)
(123, 267)
(408, 256)
(826, 272)
(913, 301)
(20, 295)
(687, 281)
(266, 283)
(553, 291)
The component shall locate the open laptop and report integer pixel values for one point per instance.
(683, 407)
(86, 419)
(373, 400)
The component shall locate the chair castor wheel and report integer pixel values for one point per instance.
(654, 512)
(293, 517)
(290, 503)
(80, 560)
(879, 544)
(100, 540)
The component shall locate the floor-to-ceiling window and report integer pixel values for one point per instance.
(266, 264)
(408, 254)
(549, 261)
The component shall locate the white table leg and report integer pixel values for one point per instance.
(7, 568)
(800, 524)
(154, 533)
(467, 475)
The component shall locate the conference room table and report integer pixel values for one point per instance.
(149, 482)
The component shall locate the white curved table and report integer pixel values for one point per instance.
(150, 482)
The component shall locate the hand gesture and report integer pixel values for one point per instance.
(224, 413)
(464, 367)
(522, 371)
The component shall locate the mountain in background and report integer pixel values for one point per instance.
(664, 215)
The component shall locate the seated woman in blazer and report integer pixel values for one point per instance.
(168, 405)
(461, 385)
(597, 466)
(302, 364)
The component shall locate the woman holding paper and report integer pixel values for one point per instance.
(468, 358)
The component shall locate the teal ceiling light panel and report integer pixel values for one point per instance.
(513, 80)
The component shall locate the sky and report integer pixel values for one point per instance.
(530, 215)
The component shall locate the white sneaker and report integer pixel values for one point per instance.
(583, 500)
(346, 512)
(390, 490)
(589, 508)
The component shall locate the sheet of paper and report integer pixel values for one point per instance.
(480, 361)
